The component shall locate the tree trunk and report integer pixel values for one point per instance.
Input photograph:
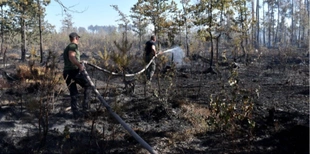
(186, 39)
(303, 35)
(2, 31)
(308, 10)
(186, 32)
(253, 44)
(278, 23)
(211, 36)
(217, 47)
(140, 40)
(300, 35)
(292, 23)
(218, 37)
(272, 28)
(299, 38)
(269, 27)
(211, 56)
(40, 32)
(257, 24)
(264, 29)
(23, 39)
(245, 18)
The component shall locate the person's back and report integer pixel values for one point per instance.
(148, 48)
(68, 65)
(150, 52)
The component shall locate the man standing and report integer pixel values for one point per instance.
(150, 52)
(72, 74)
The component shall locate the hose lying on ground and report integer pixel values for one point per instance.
(107, 106)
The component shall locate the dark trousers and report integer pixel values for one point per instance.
(151, 69)
(72, 78)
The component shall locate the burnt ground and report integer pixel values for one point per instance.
(174, 114)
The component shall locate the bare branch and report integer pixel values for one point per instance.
(69, 8)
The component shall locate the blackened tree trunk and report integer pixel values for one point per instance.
(278, 24)
(264, 29)
(40, 32)
(269, 26)
(186, 29)
(2, 27)
(217, 47)
(253, 31)
(23, 39)
(257, 24)
(292, 23)
(211, 56)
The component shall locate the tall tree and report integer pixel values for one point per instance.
(40, 12)
(4, 23)
(303, 21)
(186, 9)
(283, 9)
(173, 26)
(225, 9)
(139, 23)
(254, 20)
(23, 11)
(124, 46)
(292, 22)
(67, 23)
(257, 24)
(205, 17)
(155, 11)
(241, 25)
(91, 28)
(271, 21)
(264, 25)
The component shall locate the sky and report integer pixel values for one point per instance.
(94, 12)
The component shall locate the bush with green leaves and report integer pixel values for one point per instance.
(232, 106)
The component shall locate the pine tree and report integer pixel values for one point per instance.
(156, 12)
(22, 12)
(124, 47)
(205, 17)
(185, 15)
(139, 23)
(5, 23)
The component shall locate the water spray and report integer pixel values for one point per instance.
(177, 54)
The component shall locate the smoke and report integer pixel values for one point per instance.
(176, 54)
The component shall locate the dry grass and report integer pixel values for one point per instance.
(26, 72)
(13, 56)
(197, 115)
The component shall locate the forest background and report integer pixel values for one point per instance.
(200, 27)
(257, 52)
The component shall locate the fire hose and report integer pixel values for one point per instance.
(120, 74)
(108, 107)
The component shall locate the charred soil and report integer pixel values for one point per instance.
(258, 107)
